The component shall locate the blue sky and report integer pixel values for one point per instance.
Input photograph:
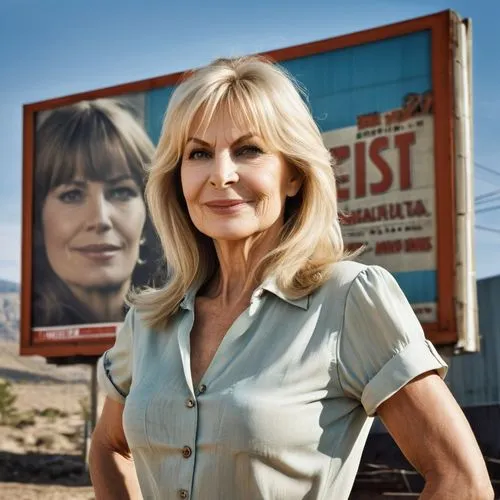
(53, 48)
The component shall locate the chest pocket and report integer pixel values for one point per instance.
(157, 393)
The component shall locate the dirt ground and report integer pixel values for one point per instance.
(42, 446)
(21, 491)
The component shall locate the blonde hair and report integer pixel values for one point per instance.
(263, 96)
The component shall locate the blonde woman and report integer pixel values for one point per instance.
(256, 371)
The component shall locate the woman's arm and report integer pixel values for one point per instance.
(430, 429)
(111, 466)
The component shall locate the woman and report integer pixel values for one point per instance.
(255, 371)
(91, 226)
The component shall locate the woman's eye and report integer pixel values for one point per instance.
(122, 193)
(71, 196)
(249, 150)
(199, 154)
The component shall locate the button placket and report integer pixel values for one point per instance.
(190, 427)
(187, 452)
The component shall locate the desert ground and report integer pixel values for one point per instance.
(42, 440)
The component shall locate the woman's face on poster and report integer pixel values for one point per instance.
(92, 230)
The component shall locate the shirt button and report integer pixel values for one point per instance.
(190, 403)
(186, 452)
(202, 388)
(183, 494)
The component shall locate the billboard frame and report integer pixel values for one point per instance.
(440, 25)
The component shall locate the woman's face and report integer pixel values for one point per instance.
(92, 231)
(235, 187)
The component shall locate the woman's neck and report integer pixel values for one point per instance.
(236, 280)
(106, 304)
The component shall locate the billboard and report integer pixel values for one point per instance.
(387, 195)
(92, 239)
(384, 100)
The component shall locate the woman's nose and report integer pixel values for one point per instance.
(98, 214)
(224, 171)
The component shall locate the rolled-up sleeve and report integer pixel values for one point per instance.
(114, 368)
(382, 346)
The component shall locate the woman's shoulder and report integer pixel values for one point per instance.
(350, 278)
(342, 275)
(347, 272)
(138, 321)
(134, 320)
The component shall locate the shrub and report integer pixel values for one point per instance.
(8, 409)
(52, 413)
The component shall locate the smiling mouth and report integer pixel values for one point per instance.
(98, 248)
(99, 253)
(226, 205)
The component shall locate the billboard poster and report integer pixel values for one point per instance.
(383, 100)
(92, 237)
(385, 172)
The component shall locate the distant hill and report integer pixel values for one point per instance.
(8, 286)
(9, 311)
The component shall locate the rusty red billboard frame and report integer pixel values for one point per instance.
(444, 330)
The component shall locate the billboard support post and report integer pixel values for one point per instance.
(93, 396)
(466, 293)
(90, 416)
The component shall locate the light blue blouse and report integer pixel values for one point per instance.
(284, 409)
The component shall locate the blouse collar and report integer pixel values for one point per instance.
(269, 285)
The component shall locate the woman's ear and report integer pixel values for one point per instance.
(294, 183)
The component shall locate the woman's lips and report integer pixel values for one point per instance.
(100, 253)
(226, 206)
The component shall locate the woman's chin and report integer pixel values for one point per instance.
(104, 285)
(231, 235)
(231, 230)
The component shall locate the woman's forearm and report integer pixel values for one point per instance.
(456, 488)
(113, 475)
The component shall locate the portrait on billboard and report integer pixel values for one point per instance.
(92, 238)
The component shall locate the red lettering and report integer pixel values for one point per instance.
(340, 155)
(396, 211)
(345, 218)
(415, 208)
(403, 143)
(419, 209)
(360, 167)
(418, 244)
(342, 193)
(368, 121)
(376, 147)
(411, 106)
(388, 247)
(393, 117)
(382, 212)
